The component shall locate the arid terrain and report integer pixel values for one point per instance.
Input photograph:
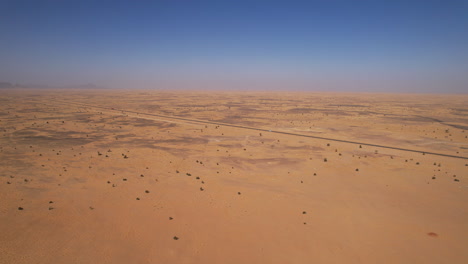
(139, 176)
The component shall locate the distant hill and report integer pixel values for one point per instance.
(6, 85)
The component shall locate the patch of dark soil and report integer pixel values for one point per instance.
(457, 126)
(323, 111)
(239, 120)
(15, 160)
(414, 118)
(237, 145)
(140, 122)
(184, 140)
(304, 110)
(347, 105)
(24, 133)
(264, 161)
(305, 147)
(53, 137)
(29, 110)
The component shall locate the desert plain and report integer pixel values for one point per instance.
(146, 176)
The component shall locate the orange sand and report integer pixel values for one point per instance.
(110, 186)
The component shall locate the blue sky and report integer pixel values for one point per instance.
(381, 46)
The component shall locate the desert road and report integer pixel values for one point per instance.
(190, 120)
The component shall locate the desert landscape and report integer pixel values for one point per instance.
(148, 176)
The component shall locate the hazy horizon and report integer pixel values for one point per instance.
(364, 46)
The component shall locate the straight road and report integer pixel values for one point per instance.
(190, 120)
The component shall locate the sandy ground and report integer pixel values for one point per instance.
(109, 183)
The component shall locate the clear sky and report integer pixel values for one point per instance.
(390, 46)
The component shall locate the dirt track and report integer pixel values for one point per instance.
(143, 115)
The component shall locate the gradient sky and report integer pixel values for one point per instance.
(381, 46)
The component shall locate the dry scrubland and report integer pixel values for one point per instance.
(82, 184)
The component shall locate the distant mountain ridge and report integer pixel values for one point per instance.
(8, 85)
